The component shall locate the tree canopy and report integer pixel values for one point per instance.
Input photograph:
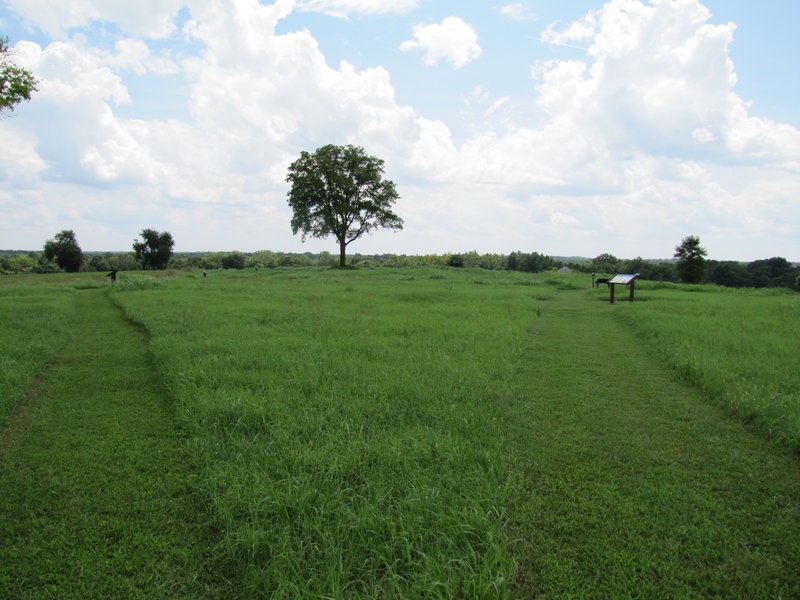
(65, 251)
(340, 191)
(691, 260)
(16, 83)
(532, 262)
(233, 260)
(606, 263)
(155, 249)
(772, 272)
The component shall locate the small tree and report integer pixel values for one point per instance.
(122, 261)
(339, 191)
(20, 263)
(233, 260)
(456, 260)
(325, 259)
(263, 258)
(155, 250)
(691, 255)
(65, 251)
(16, 83)
(98, 262)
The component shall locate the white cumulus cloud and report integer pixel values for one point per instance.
(640, 137)
(453, 40)
(659, 79)
(518, 11)
(344, 8)
(147, 18)
(636, 143)
(254, 100)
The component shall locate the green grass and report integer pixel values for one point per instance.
(739, 346)
(630, 484)
(436, 433)
(346, 424)
(36, 313)
(35, 327)
(96, 501)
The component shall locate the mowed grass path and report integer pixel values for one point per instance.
(95, 500)
(629, 484)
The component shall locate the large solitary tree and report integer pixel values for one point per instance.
(340, 191)
(155, 249)
(16, 83)
(64, 249)
(691, 257)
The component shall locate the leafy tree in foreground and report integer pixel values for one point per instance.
(64, 249)
(691, 260)
(16, 83)
(155, 249)
(340, 191)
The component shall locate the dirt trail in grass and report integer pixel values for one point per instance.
(95, 496)
(630, 484)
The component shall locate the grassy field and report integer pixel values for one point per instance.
(35, 327)
(36, 324)
(630, 483)
(739, 346)
(345, 424)
(96, 499)
(447, 433)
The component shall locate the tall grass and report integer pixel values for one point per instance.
(94, 495)
(398, 434)
(739, 346)
(345, 423)
(35, 328)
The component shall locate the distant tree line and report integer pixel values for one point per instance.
(770, 272)
(64, 254)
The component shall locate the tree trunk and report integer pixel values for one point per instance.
(342, 249)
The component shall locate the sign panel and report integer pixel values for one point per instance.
(623, 279)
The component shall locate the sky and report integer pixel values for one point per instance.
(569, 128)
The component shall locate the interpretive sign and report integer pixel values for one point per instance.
(623, 279)
(620, 279)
